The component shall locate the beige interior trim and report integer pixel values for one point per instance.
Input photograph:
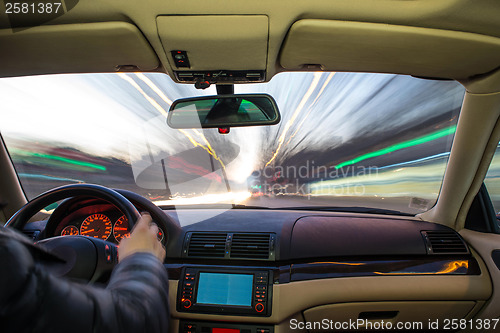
(292, 298)
(75, 48)
(216, 42)
(484, 244)
(416, 314)
(477, 135)
(479, 115)
(445, 15)
(11, 192)
(385, 48)
(483, 167)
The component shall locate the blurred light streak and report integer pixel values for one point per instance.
(289, 123)
(228, 197)
(157, 106)
(208, 149)
(402, 145)
(16, 151)
(47, 177)
(154, 87)
(328, 79)
(146, 96)
(213, 153)
(415, 161)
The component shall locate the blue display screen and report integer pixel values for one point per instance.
(225, 289)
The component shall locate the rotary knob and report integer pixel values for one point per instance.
(259, 307)
(186, 303)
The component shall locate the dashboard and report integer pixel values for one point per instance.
(250, 270)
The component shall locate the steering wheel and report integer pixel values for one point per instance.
(83, 257)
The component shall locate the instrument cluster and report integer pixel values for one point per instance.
(100, 225)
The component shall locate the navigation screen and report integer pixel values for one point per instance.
(225, 289)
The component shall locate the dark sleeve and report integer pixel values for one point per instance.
(32, 300)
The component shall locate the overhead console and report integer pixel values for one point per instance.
(216, 48)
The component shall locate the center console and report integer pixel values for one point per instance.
(235, 292)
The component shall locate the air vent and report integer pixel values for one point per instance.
(206, 245)
(444, 242)
(237, 246)
(251, 246)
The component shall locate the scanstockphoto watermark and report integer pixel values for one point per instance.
(26, 14)
(309, 179)
(310, 171)
(304, 189)
(328, 325)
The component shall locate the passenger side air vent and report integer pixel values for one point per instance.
(206, 245)
(444, 242)
(252, 246)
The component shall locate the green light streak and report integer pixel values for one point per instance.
(399, 146)
(58, 158)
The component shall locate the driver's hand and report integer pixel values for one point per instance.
(142, 239)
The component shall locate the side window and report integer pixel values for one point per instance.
(492, 180)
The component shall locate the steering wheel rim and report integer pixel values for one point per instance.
(82, 257)
(21, 217)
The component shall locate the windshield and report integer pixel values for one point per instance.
(345, 139)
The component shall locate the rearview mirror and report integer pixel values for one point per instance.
(224, 111)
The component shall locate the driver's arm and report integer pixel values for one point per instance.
(135, 300)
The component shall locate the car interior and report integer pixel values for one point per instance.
(248, 266)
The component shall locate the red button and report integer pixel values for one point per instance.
(259, 307)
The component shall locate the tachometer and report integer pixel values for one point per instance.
(70, 230)
(97, 226)
(120, 229)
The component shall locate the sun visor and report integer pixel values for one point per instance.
(75, 48)
(374, 47)
(216, 42)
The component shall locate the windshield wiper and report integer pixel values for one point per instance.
(367, 210)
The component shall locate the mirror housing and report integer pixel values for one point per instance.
(223, 111)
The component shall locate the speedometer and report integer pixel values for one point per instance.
(97, 226)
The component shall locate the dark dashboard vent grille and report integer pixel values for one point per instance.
(250, 246)
(207, 245)
(444, 242)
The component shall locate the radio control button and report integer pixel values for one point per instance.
(186, 303)
(259, 307)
